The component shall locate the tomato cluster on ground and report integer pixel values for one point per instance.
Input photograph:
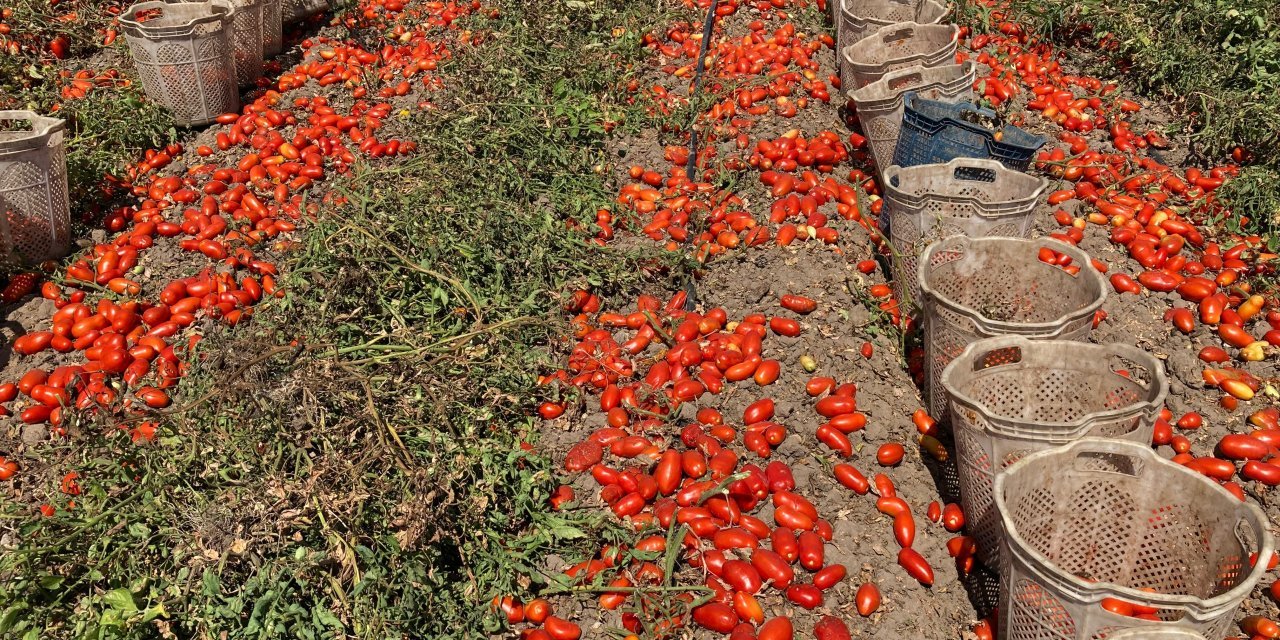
(124, 328)
(701, 490)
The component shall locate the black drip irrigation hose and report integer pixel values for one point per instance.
(707, 25)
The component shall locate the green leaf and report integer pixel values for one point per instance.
(120, 600)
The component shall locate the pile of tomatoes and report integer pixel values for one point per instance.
(122, 339)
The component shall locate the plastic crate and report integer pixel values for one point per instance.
(975, 288)
(968, 197)
(858, 19)
(1011, 396)
(272, 28)
(897, 46)
(879, 104)
(35, 217)
(934, 131)
(184, 55)
(1100, 519)
(297, 10)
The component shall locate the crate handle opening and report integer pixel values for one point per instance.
(998, 358)
(900, 34)
(911, 79)
(974, 174)
(1108, 462)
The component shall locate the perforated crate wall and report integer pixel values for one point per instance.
(35, 217)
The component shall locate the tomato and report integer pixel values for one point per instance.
(832, 406)
(818, 386)
(550, 410)
(741, 576)
(747, 607)
(811, 550)
(831, 628)
(783, 542)
(510, 607)
(758, 411)
(829, 576)
(1123, 283)
(952, 517)
(778, 628)
(904, 529)
(668, 472)
(867, 599)
(8, 468)
(773, 567)
(798, 304)
(1264, 472)
(851, 478)
(537, 610)
(916, 566)
(767, 373)
(583, 455)
(784, 326)
(1260, 626)
(834, 439)
(735, 538)
(890, 454)
(715, 617)
(804, 595)
(1236, 446)
(1161, 281)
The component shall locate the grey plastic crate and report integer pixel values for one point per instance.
(879, 105)
(857, 19)
(1100, 519)
(1011, 396)
(975, 288)
(968, 197)
(896, 46)
(35, 218)
(184, 54)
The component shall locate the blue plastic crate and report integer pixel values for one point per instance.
(936, 132)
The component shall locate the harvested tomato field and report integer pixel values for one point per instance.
(579, 318)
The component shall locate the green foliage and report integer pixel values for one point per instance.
(1216, 61)
(350, 463)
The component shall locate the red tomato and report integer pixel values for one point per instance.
(890, 454)
(916, 566)
(831, 628)
(867, 599)
(778, 628)
(715, 617)
(804, 595)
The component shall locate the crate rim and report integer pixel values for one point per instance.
(42, 128)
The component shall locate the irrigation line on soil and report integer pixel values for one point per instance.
(707, 25)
